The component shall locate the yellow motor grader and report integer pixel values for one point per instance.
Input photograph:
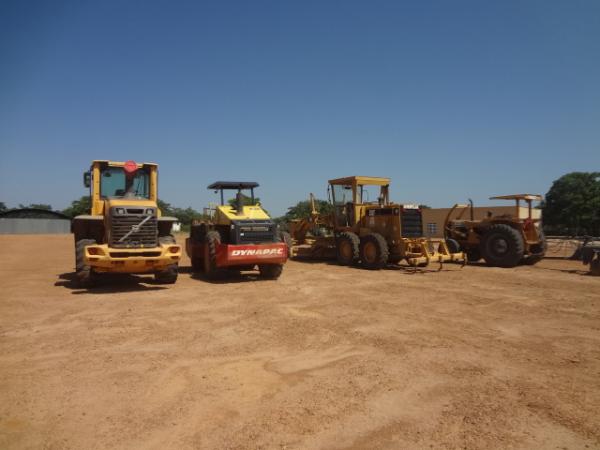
(374, 232)
(125, 231)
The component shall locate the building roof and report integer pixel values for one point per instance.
(233, 185)
(32, 213)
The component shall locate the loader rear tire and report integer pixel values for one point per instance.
(85, 275)
(374, 251)
(213, 239)
(502, 246)
(347, 248)
(270, 271)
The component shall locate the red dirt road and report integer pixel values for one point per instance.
(326, 357)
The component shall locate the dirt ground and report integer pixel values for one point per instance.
(327, 357)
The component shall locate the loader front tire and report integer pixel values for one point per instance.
(374, 251)
(347, 248)
(502, 246)
(167, 276)
(85, 276)
(595, 267)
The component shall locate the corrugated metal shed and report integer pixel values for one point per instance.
(34, 221)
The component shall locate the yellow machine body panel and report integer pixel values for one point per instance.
(225, 214)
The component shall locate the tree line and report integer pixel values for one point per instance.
(571, 207)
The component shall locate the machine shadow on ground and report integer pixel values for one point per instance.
(109, 284)
(408, 270)
(226, 277)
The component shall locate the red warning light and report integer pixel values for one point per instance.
(130, 167)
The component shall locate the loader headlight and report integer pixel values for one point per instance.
(149, 211)
(120, 211)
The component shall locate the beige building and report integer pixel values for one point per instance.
(433, 218)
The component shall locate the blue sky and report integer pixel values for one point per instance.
(451, 99)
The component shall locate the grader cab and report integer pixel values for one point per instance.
(372, 231)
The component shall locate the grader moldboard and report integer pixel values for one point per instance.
(503, 241)
(125, 231)
(238, 237)
(372, 232)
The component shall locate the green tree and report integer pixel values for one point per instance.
(79, 207)
(302, 210)
(165, 208)
(572, 204)
(37, 206)
(3, 207)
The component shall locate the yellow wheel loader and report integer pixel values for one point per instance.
(125, 231)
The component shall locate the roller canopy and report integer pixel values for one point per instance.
(233, 185)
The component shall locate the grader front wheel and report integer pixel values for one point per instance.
(347, 248)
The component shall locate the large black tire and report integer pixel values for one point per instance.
(473, 255)
(213, 239)
(270, 271)
(347, 248)
(85, 276)
(374, 251)
(197, 264)
(502, 246)
(167, 276)
(595, 267)
(453, 245)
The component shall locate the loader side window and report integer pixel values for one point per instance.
(114, 183)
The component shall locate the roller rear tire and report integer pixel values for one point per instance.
(270, 271)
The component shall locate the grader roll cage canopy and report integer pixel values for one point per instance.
(505, 240)
(372, 233)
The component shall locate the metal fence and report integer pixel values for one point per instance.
(34, 226)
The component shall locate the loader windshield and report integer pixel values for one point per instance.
(116, 183)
